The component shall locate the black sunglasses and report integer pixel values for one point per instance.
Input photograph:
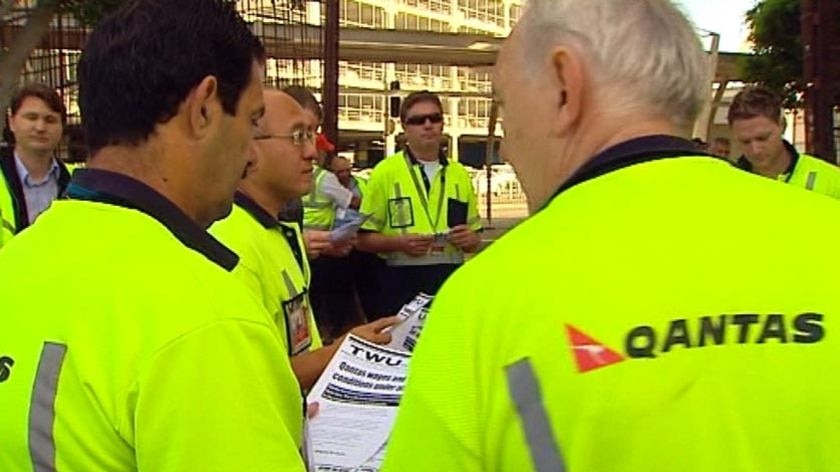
(416, 120)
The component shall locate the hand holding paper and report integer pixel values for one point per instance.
(349, 230)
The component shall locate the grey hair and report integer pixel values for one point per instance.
(644, 54)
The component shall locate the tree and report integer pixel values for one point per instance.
(775, 31)
(34, 26)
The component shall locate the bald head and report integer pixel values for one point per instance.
(282, 165)
(279, 107)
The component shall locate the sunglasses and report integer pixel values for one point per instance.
(417, 120)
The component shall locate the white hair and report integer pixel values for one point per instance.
(644, 54)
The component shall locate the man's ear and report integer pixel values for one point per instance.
(203, 106)
(10, 122)
(568, 88)
(783, 124)
(252, 158)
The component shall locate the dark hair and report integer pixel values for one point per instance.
(41, 91)
(143, 60)
(722, 140)
(755, 101)
(329, 158)
(76, 144)
(418, 97)
(305, 99)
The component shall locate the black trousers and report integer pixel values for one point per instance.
(365, 273)
(333, 296)
(399, 285)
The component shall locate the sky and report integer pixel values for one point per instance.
(721, 16)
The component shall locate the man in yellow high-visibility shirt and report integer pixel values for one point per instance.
(614, 330)
(272, 259)
(150, 355)
(31, 176)
(422, 207)
(755, 116)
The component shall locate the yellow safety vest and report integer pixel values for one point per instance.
(399, 203)
(814, 174)
(616, 331)
(318, 209)
(11, 194)
(8, 222)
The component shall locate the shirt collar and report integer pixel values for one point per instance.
(632, 152)
(414, 161)
(53, 174)
(794, 159)
(270, 222)
(254, 209)
(121, 190)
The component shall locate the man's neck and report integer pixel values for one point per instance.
(582, 148)
(426, 155)
(37, 164)
(148, 164)
(268, 202)
(775, 167)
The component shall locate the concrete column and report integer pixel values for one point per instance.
(454, 129)
(313, 13)
(360, 157)
(389, 124)
(455, 14)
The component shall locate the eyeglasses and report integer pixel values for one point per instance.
(417, 120)
(299, 137)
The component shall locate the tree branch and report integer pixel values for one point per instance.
(12, 60)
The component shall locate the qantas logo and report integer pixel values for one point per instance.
(589, 353)
(648, 342)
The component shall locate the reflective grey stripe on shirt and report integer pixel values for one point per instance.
(525, 391)
(7, 225)
(398, 194)
(812, 179)
(290, 286)
(42, 407)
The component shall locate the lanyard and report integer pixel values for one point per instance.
(291, 238)
(420, 191)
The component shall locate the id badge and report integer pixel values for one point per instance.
(439, 244)
(400, 212)
(298, 331)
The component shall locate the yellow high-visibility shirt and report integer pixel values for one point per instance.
(127, 345)
(623, 334)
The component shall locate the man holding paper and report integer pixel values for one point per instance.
(423, 209)
(272, 256)
(625, 334)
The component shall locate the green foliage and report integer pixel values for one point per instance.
(89, 12)
(775, 31)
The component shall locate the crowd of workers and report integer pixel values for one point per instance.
(165, 305)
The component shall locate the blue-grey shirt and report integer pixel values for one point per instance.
(38, 194)
(344, 216)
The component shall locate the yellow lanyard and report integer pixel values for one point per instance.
(421, 190)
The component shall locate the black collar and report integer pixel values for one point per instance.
(269, 222)
(414, 161)
(118, 189)
(794, 159)
(254, 209)
(630, 153)
(8, 168)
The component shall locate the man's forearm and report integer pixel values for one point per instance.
(378, 243)
(309, 366)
